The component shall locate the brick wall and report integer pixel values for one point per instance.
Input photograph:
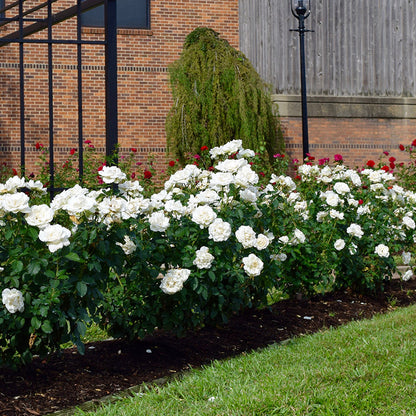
(144, 96)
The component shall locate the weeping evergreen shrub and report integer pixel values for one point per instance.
(218, 97)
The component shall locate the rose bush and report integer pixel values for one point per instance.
(215, 240)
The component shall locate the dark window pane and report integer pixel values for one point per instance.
(1, 7)
(131, 14)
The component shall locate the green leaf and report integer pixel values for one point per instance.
(47, 327)
(73, 257)
(35, 322)
(82, 288)
(211, 275)
(17, 266)
(33, 268)
(82, 329)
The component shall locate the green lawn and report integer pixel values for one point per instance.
(363, 368)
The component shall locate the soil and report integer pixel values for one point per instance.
(69, 379)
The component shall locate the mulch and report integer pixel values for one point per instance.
(69, 379)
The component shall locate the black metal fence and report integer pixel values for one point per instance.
(29, 25)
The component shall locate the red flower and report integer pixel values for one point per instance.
(298, 178)
(386, 153)
(338, 158)
(323, 161)
(197, 157)
(172, 163)
(133, 149)
(147, 174)
(14, 172)
(262, 174)
(360, 202)
(392, 165)
(310, 157)
(87, 141)
(203, 148)
(385, 168)
(414, 142)
(211, 168)
(133, 175)
(72, 151)
(392, 159)
(401, 147)
(38, 146)
(371, 163)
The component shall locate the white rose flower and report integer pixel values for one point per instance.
(131, 188)
(207, 197)
(299, 237)
(284, 239)
(246, 176)
(55, 236)
(203, 258)
(173, 280)
(112, 174)
(321, 215)
(339, 244)
(231, 165)
(40, 216)
(203, 215)
(355, 230)
(407, 275)
(253, 266)
(406, 257)
(382, 250)
(262, 242)
(78, 204)
(332, 199)
(128, 246)
(158, 221)
(375, 176)
(352, 249)
(36, 186)
(246, 236)
(248, 195)
(246, 153)
(333, 213)
(13, 300)
(221, 179)
(219, 230)
(18, 202)
(409, 222)
(14, 183)
(227, 149)
(341, 188)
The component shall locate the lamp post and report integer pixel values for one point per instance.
(301, 9)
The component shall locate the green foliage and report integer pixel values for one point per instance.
(218, 95)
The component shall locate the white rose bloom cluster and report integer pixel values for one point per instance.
(298, 237)
(219, 230)
(355, 230)
(173, 280)
(204, 258)
(382, 250)
(15, 203)
(13, 300)
(246, 236)
(407, 275)
(409, 222)
(203, 215)
(40, 216)
(231, 165)
(341, 188)
(158, 221)
(339, 244)
(112, 174)
(253, 266)
(128, 246)
(227, 149)
(55, 236)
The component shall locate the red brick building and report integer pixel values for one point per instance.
(144, 96)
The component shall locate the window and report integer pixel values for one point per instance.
(131, 14)
(1, 7)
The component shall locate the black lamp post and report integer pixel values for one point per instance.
(301, 9)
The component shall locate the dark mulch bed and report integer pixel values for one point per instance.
(108, 367)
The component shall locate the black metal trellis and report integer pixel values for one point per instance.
(29, 26)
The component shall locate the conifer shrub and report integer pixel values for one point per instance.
(218, 96)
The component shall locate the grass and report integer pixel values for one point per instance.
(363, 368)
